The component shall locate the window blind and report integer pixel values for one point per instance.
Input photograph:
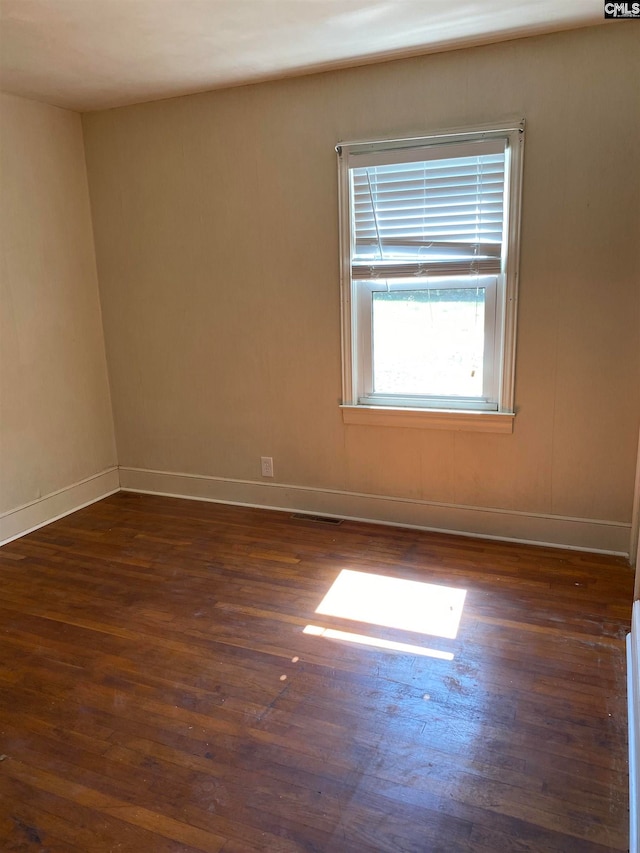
(427, 212)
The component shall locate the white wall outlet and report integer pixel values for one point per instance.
(266, 463)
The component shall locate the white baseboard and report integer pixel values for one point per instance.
(23, 519)
(582, 534)
(633, 701)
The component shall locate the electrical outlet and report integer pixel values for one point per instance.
(266, 463)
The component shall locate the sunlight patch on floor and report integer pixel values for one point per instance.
(424, 608)
(364, 640)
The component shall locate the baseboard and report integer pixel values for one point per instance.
(582, 534)
(633, 700)
(23, 519)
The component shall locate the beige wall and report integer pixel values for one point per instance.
(217, 244)
(56, 424)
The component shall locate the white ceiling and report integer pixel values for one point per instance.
(93, 54)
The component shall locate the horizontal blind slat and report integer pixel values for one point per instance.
(389, 269)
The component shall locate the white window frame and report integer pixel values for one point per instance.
(364, 290)
(495, 411)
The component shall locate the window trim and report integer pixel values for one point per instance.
(450, 419)
(386, 415)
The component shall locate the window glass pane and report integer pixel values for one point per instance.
(429, 341)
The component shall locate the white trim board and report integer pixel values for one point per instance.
(608, 537)
(633, 702)
(24, 519)
(635, 522)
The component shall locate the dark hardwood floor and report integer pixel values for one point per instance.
(159, 693)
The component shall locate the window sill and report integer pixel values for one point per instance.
(451, 419)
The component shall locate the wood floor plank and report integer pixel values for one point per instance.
(158, 691)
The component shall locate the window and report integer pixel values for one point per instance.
(429, 240)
